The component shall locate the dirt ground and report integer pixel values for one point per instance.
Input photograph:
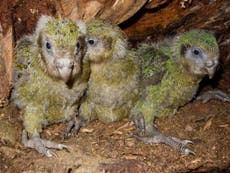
(111, 148)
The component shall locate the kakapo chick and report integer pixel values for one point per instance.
(50, 77)
(172, 70)
(114, 82)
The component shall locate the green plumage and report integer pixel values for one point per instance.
(43, 97)
(65, 30)
(172, 71)
(115, 76)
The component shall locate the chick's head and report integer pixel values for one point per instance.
(198, 50)
(105, 41)
(61, 45)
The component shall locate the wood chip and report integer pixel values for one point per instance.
(85, 130)
(197, 160)
(117, 132)
(188, 128)
(208, 124)
(223, 125)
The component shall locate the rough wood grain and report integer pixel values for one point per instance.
(119, 11)
(171, 18)
(6, 49)
(156, 3)
(114, 10)
(6, 57)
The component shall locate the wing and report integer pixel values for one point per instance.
(153, 63)
(24, 53)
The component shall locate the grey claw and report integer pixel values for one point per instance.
(187, 151)
(74, 126)
(202, 99)
(24, 136)
(61, 147)
(50, 153)
(188, 142)
(180, 144)
(68, 129)
(181, 141)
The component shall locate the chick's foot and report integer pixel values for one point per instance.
(157, 137)
(41, 145)
(215, 94)
(74, 126)
(139, 123)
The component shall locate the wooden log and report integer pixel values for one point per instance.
(6, 52)
(171, 17)
(115, 10)
(119, 11)
(26, 13)
(156, 3)
(6, 49)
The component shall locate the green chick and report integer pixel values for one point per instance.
(172, 70)
(114, 83)
(50, 78)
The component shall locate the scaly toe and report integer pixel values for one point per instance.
(181, 141)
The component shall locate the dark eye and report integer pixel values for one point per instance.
(48, 45)
(91, 42)
(196, 52)
(78, 45)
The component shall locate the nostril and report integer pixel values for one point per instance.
(209, 64)
(71, 64)
(59, 65)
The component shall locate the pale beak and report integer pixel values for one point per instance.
(65, 73)
(65, 69)
(211, 73)
(210, 68)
